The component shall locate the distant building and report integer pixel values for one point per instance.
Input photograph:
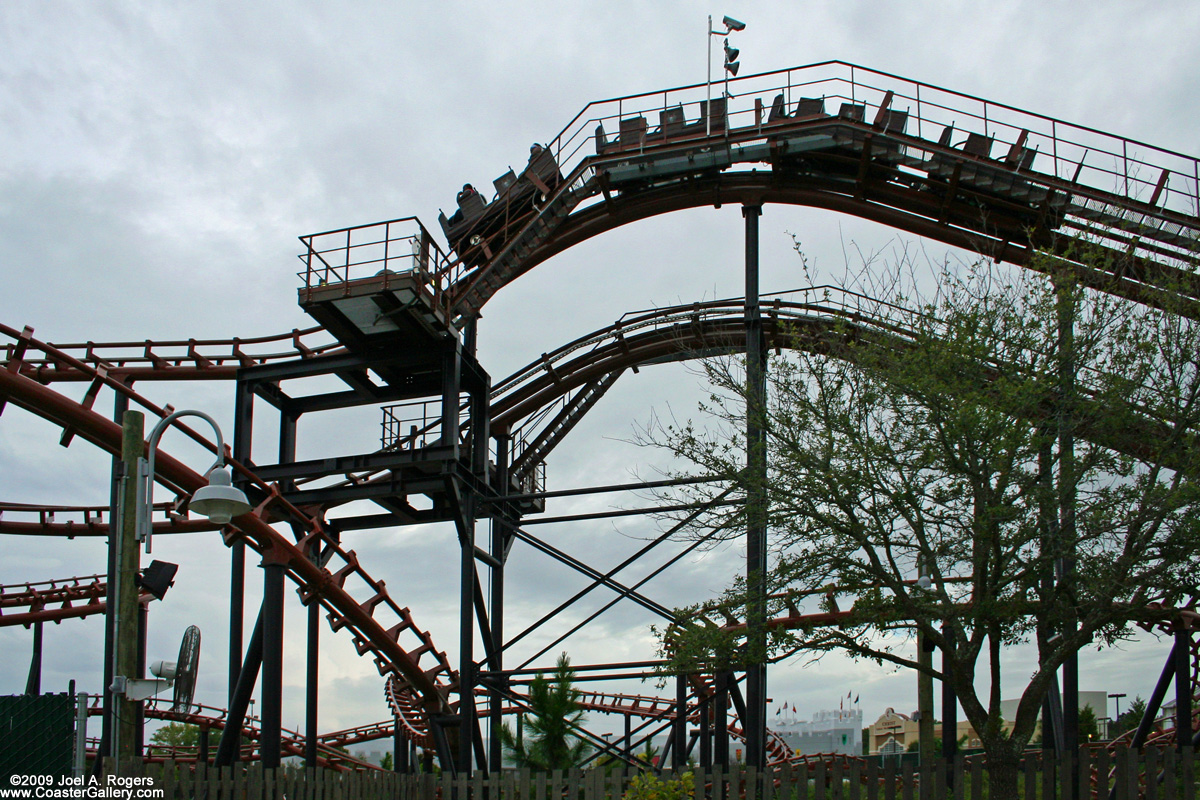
(894, 732)
(827, 732)
(1097, 700)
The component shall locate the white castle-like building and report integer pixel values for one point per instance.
(838, 731)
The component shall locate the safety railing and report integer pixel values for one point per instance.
(382, 251)
(1081, 156)
(417, 424)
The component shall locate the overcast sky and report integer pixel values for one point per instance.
(159, 161)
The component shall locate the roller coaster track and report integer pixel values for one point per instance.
(1130, 195)
(54, 601)
(72, 521)
(168, 360)
(1131, 199)
(376, 623)
(818, 319)
(646, 338)
(292, 743)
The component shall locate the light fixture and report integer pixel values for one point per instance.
(220, 500)
(158, 577)
(731, 63)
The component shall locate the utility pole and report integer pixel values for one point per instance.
(125, 655)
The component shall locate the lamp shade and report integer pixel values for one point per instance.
(220, 500)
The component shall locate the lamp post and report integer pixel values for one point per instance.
(731, 66)
(219, 501)
(1117, 697)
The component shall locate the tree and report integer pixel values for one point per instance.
(1006, 430)
(1089, 728)
(1132, 717)
(388, 761)
(547, 742)
(175, 734)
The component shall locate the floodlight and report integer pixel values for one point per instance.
(732, 24)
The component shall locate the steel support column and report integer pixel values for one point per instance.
(311, 687)
(679, 730)
(499, 551)
(1183, 686)
(227, 748)
(400, 761)
(1066, 309)
(755, 722)
(33, 685)
(243, 434)
(274, 574)
(120, 406)
(949, 701)
(721, 719)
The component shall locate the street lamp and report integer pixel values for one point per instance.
(219, 500)
(731, 64)
(1117, 697)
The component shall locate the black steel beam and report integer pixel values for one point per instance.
(628, 512)
(274, 576)
(754, 719)
(239, 701)
(619, 487)
(427, 459)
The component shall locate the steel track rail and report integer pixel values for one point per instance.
(56, 600)
(169, 360)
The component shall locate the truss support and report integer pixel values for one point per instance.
(755, 720)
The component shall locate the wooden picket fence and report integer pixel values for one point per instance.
(1128, 774)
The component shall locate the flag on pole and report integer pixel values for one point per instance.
(855, 699)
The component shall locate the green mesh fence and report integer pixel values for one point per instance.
(36, 735)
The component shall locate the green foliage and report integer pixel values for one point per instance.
(1004, 424)
(388, 761)
(1089, 728)
(547, 742)
(1130, 718)
(648, 786)
(176, 734)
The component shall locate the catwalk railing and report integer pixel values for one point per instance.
(1129, 774)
